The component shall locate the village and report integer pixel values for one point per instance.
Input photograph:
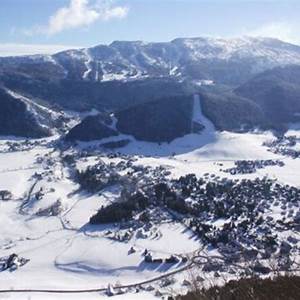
(243, 226)
(251, 166)
(284, 145)
(11, 146)
(244, 220)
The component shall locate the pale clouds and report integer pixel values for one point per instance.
(80, 13)
(10, 49)
(281, 30)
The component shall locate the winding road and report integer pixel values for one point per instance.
(192, 262)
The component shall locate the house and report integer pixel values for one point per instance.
(148, 257)
(172, 259)
(5, 195)
(110, 291)
(12, 262)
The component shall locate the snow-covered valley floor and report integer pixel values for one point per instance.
(65, 252)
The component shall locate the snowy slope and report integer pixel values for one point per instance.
(87, 64)
(64, 251)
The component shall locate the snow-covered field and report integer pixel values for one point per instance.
(65, 252)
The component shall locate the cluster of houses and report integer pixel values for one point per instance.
(288, 141)
(126, 173)
(250, 166)
(284, 145)
(5, 195)
(249, 229)
(172, 259)
(22, 145)
(12, 262)
(236, 217)
(247, 207)
(97, 177)
(53, 210)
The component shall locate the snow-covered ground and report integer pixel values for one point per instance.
(209, 153)
(66, 252)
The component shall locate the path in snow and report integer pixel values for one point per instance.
(180, 145)
(97, 72)
(87, 64)
(198, 116)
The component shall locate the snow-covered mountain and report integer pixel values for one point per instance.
(222, 60)
(194, 58)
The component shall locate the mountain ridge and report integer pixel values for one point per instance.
(131, 60)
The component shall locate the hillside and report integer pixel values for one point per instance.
(159, 121)
(18, 119)
(92, 128)
(277, 92)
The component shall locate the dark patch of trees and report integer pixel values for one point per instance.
(162, 120)
(279, 288)
(121, 211)
(96, 178)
